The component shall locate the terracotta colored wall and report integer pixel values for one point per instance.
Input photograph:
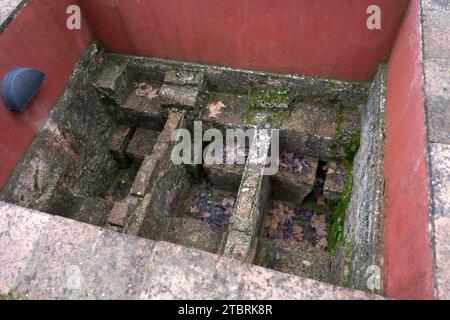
(407, 251)
(320, 38)
(37, 38)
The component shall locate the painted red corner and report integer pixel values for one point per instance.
(37, 38)
(407, 243)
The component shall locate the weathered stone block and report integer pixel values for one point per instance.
(247, 211)
(142, 112)
(231, 116)
(149, 169)
(362, 230)
(178, 96)
(226, 176)
(185, 77)
(171, 184)
(239, 245)
(174, 121)
(335, 183)
(40, 180)
(294, 258)
(119, 140)
(113, 81)
(194, 233)
(142, 143)
(291, 187)
(319, 131)
(251, 202)
(118, 214)
(440, 181)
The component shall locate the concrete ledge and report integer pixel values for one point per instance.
(49, 257)
(8, 11)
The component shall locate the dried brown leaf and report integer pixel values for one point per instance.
(215, 109)
(194, 210)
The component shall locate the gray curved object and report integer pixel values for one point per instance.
(19, 86)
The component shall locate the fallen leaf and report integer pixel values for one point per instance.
(145, 90)
(215, 109)
(151, 93)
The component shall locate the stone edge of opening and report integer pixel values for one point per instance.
(9, 12)
(47, 257)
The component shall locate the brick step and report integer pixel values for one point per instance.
(285, 185)
(294, 258)
(195, 233)
(294, 186)
(142, 143)
(322, 131)
(142, 112)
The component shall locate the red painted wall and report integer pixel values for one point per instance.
(319, 38)
(37, 38)
(407, 251)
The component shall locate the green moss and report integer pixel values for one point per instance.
(336, 230)
(268, 98)
(249, 116)
(352, 148)
(276, 117)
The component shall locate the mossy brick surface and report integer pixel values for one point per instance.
(174, 121)
(319, 131)
(176, 96)
(232, 116)
(142, 112)
(113, 81)
(247, 212)
(361, 227)
(171, 185)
